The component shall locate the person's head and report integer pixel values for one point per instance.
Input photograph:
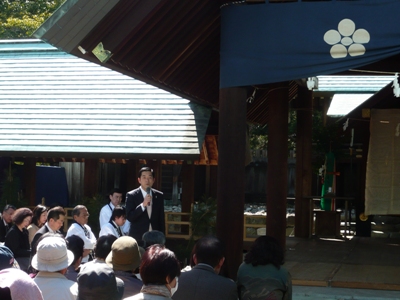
(118, 215)
(209, 250)
(115, 197)
(80, 214)
(146, 177)
(124, 255)
(265, 250)
(22, 217)
(153, 237)
(8, 211)
(39, 215)
(103, 246)
(16, 284)
(160, 266)
(52, 254)
(75, 244)
(98, 281)
(7, 258)
(55, 218)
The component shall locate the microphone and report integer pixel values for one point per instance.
(148, 193)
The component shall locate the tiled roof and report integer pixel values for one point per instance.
(52, 103)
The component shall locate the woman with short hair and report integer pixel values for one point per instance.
(17, 238)
(159, 270)
(261, 275)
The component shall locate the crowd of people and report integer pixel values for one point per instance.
(128, 259)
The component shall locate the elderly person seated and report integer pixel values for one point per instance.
(17, 285)
(261, 275)
(153, 237)
(124, 258)
(159, 270)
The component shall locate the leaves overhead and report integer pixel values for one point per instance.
(20, 18)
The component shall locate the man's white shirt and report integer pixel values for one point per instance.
(108, 228)
(105, 215)
(89, 242)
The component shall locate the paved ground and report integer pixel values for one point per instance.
(332, 293)
(360, 268)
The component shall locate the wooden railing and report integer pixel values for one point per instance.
(176, 226)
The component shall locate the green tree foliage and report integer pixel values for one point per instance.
(20, 18)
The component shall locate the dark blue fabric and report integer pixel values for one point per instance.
(51, 183)
(276, 42)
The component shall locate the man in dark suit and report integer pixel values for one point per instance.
(6, 221)
(202, 281)
(145, 206)
(55, 220)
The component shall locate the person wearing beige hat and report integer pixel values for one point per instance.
(52, 259)
(124, 258)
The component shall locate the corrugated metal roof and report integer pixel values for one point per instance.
(53, 102)
(342, 104)
(352, 83)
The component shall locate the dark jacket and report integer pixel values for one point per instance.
(139, 219)
(18, 242)
(202, 283)
(3, 230)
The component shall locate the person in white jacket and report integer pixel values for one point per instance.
(81, 229)
(115, 224)
(106, 211)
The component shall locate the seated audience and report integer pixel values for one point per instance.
(101, 251)
(153, 237)
(7, 259)
(52, 260)
(124, 258)
(38, 219)
(15, 284)
(17, 238)
(75, 245)
(103, 247)
(261, 275)
(55, 220)
(115, 224)
(6, 221)
(202, 281)
(81, 229)
(159, 270)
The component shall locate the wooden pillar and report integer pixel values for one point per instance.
(30, 180)
(231, 173)
(278, 108)
(187, 186)
(304, 206)
(91, 177)
(132, 175)
(157, 168)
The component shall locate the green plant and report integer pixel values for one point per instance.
(93, 205)
(202, 222)
(11, 189)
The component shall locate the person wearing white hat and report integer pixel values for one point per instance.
(52, 260)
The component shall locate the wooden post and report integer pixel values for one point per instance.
(231, 173)
(132, 174)
(91, 178)
(30, 180)
(278, 107)
(187, 186)
(304, 206)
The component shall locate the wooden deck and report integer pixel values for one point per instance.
(363, 263)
